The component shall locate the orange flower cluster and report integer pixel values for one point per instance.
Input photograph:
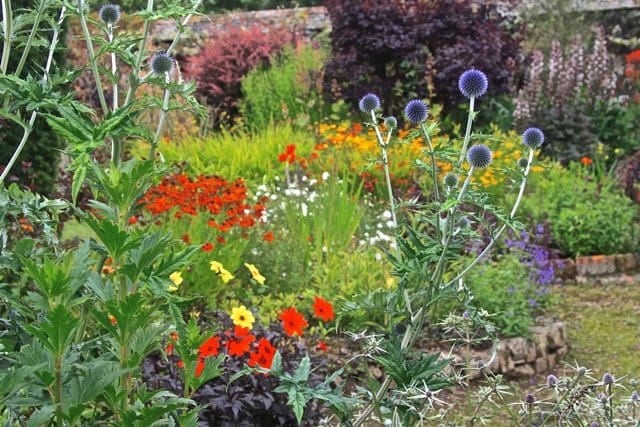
(632, 69)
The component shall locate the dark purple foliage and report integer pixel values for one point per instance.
(398, 47)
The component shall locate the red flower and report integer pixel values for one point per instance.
(268, 236)
(240, 344)
(264, 346)
(586, 161)
(292, 321)
(199, 367)
(133, 220)
(289, 154)
(180, 364)
(186, 238)
(210, 347)
(174, 337)
(322, 346)
(263, 357)
(207, 247)
(323, 309)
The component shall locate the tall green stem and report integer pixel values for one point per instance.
(467, 133)
(34, 114)
(135, 73)
(32, 35)
(92, 57)
(58, 390)
(7, 16)
(163, 117)
(114, 69)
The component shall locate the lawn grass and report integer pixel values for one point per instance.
(603, 326)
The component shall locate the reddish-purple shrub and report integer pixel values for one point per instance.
(398, 48)
(225, 59)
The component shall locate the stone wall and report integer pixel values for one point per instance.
(525, 357)
(602, 269)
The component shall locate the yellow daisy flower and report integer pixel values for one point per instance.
(255, 273)
(176, 278)
(242, 317)
(224, 274)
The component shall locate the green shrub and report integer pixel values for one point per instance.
(286, 91)
(587, 217)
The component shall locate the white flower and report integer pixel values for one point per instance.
(325, 176)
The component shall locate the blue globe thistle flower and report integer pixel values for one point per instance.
(523, 163)
(473, 83)
(607, 379)
(109, 13)
(529, 399)
(368, 103)
(416, 111)
(479, 156)
(390, 122)
(552, 380)
(450, 180)
(635, 396)
(533, 138)
(161, 63)
(594, 424)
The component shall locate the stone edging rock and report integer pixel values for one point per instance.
(601, 269)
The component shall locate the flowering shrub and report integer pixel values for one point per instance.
(225, 59)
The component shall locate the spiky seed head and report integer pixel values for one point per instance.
(529, 399)
(635, 397)
(390, 122)
(473, 83)
(416, 111)
(594, 424)
(368, 103)
(523, 163)
(161, 63)
(607, 379)
(451, 180)
(464, 222)
(479, 156)
(109, 13)
(533, 138)
(552, 380)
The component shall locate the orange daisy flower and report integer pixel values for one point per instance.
(292, 321)
(323, 309)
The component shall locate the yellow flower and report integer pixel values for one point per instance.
(176, 278)
(217, 268)
(242, 317)
(255, 273)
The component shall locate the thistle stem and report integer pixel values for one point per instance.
(7, 16)
(92, 57)
(467, 134)
(34, 114)
(385, 164)
(163, 117)
(32, 35)
(114, 69)
(434, 175)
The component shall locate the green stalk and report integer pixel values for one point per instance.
(434, 175)
(7, 16)
(133, 81)
(114, 69)
(58, 390)
(34, 114)
(92, 57)
(502, 228)
(467, 133)
(163, 117)
(32, 34)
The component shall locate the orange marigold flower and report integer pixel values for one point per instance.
(292, 321)
(323, 309)
(210, 347)
(586, 161)
(322, 346)
(268, 236)
(207, 247)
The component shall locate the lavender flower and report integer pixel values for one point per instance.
(552, 380)
(368, 103)
(473, 83)
(607, 379)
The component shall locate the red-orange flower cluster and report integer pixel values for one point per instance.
(226, 202)
(292, 321)
(586, 161)
(262, 357)
(288, 155)
(323, 309)
(239, 342)
(632, 69)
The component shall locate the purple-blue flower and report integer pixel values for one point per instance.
(162, 62)
(533, 138)
(109, 13)
(473, 83)
(416, 111)
(479, 156)
(368, 103)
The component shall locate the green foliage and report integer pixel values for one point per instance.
(286, 92)
(587, 217)
(252, 156)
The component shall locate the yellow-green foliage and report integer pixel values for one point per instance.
(235, 154)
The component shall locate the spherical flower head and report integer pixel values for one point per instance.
(552, 380)
(635, 397)
(473, 83)
(368, 103)
(533, 138)
(479, 156)
(400, 328)
(607, 379)
(390, 122)
(109, 13)
(161, 63)
(529, 399)
(451, 180)
(416, 111)
(594, 424)
(523, 163)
